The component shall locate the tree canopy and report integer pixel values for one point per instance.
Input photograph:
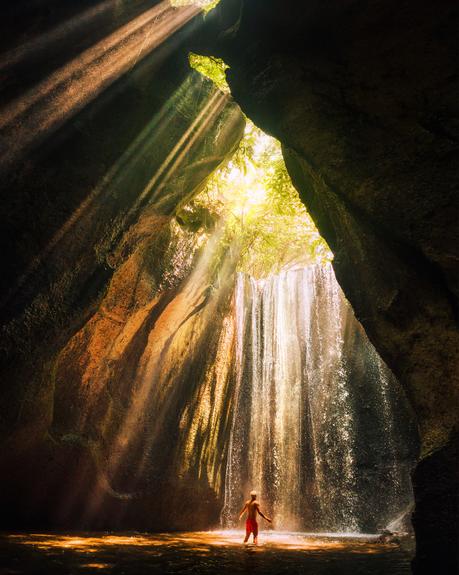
(258, 211)
(252, 201)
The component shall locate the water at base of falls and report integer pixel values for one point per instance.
(203, 552)
(314, 430)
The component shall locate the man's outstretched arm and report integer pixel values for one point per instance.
(242, 511)
(264, 516)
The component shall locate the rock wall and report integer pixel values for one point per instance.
(92, 256)
(363, 98)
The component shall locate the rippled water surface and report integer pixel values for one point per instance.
(210, 552)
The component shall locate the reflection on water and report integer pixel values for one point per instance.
(202, 553)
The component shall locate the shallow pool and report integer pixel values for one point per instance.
(204, 552)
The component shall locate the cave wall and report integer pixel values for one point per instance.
(363, 97)
(90, 246)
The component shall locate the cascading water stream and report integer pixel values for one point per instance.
(314, 429)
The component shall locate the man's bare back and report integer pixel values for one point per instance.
(252, 508)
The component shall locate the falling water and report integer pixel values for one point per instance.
(314, 429)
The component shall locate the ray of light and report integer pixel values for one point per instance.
(124, 166)
(48, 105)
(167, 325)
(200, 124)
(190, 297)
(57, 34)
(136, 153)
(169, 328)
(205, 412)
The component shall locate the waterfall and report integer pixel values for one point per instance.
(314, 430)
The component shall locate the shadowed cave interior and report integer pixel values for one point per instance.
(229, 240)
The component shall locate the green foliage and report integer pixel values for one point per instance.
(212, 68)
(262, 219)
(206, 5)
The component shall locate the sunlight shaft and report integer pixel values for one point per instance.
(48, 105)
(46, 40)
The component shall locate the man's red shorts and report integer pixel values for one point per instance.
(251, 526)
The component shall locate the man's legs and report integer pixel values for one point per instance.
(255, 533)
(251, 527)
(247, 531)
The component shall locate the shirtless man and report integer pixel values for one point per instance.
(251, 526)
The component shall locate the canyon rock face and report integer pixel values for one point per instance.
(93, 256)
(364, 101)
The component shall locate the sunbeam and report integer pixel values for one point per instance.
(156, 398)
(140, 152)
(47, 106)
(44, 41)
